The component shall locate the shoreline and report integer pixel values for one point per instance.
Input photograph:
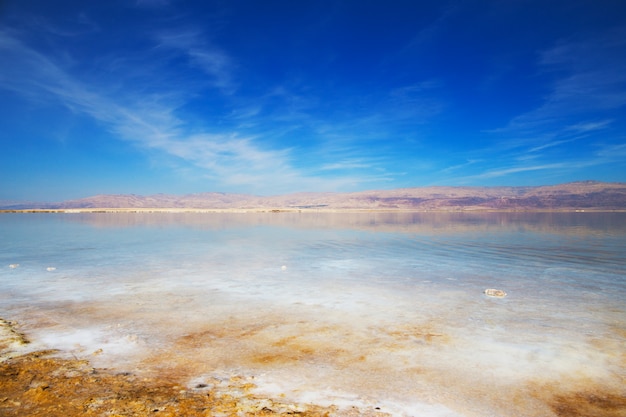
(49, 383)
(46, 383)
(41, 384)
(306, 210)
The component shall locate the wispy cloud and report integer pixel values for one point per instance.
(459, 167)
(346, 165)
(590, 126)
(613, 152)
(501, 172)
(227, 159)
(547, 145)
(207, 58)
(587, 93)
(590, 75)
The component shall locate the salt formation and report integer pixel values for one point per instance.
(11, 340)
(491, 292)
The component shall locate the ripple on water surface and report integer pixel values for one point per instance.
(376, 311)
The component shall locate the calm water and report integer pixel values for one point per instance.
(374, 310)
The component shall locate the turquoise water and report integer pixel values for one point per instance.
(370, 310)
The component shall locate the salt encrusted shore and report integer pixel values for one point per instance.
(44, 383)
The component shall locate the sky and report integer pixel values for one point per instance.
(279, 96)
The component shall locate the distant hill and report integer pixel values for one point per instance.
(584, 195)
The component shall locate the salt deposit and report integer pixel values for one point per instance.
(492, 292)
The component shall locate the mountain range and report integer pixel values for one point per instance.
(583, 195)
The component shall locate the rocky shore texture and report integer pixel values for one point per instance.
(41, 383)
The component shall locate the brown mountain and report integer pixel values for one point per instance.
(584, 195)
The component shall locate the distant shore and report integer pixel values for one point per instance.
(576, 196)
(309, 210)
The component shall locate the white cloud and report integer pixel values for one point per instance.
(227, 159)
(587, 93)
(590, 126)
(501, 172)
(590, 77)
(460, 166)
(346, 164)
(612, 152)
(551, 144)
(150, 117)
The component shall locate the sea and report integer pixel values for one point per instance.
(370, 311)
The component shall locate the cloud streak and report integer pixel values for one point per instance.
(594, 79)
(222, 101)
(152, 118)
(209, 59)
(227, 159)
(589, 83)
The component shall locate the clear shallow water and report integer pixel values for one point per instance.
(375, 309)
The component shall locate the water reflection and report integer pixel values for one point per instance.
(570, 223)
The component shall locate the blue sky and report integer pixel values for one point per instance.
(271, 97)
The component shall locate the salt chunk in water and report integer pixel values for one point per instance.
(492, 292)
